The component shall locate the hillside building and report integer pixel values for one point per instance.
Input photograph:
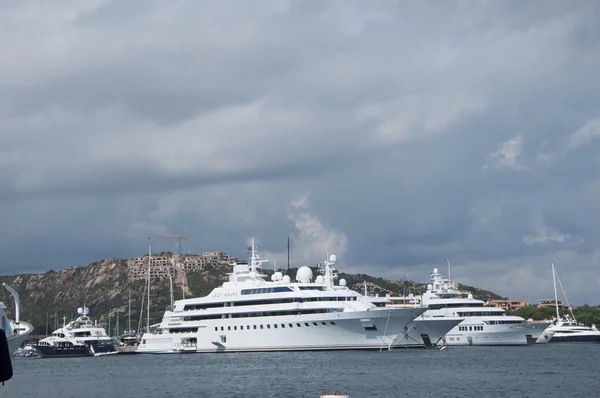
(165, 265)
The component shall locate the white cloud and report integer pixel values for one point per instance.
(545, 235)
(507, 156)
(587, 132)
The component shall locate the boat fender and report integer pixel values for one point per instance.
(6, 371)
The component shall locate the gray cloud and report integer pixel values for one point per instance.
(395, 134)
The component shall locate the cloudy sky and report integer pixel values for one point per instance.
(394, 134)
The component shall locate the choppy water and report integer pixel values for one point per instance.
(559, 370)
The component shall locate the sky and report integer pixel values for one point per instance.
(394, 134)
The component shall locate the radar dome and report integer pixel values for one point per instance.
(304, 274)
(430, 287)
(286, 279)
(319, 279)
(273, 277)
(333, 258)
(435, 270)
(342, 282)
(278, 276)
(470, 296)
(80, 311)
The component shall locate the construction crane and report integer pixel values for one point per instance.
(179, 238)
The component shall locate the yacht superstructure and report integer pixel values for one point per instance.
(248, 313)
(481, 325)
(16, 331)
(78, 338)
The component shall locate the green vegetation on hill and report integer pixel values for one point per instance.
(585, 314)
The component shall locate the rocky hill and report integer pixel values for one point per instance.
(105, 288)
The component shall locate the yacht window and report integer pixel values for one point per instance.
(254, 326)
(275, 326)
(262, 327)
(306, 324)
(216, 328)
(291, 325)
(248, 327)
(268, 326)
(228, 327)
(315, 323)
(333, 323)
(283, 325)
(323, 323)
(221, 328)
(298, 325)
(235, 328)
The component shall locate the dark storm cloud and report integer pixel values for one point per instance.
(395, 134)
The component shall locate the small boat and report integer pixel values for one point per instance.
(335, 394)
(16, 331)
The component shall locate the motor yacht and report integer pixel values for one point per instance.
(78, 338)
(480, 325)
(250, 313)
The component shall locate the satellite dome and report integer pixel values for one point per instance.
(333, 258)
(273, 277)
(80, 311)
(319, 279)
(286, 279)
(435, 270)
(470, 296)
(278, 276)
(430, 287)
(342, 282)
(304, 274)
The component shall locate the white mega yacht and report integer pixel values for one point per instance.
(481, 325)
(16, 331)
(248, 313)
(78, 338)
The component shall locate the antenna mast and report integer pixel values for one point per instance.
(448, 260)
(288, 253)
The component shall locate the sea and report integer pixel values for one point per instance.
(552, 370)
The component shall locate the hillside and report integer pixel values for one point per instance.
(104, 287)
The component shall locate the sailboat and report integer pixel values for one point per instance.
(566, 329)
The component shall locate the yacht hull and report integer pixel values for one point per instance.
(495, 335)
(574, 338)
(376, 329)
(75, 351)
(426, 332)
(16, 340)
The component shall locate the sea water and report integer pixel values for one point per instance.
(557, 370)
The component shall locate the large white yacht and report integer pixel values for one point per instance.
(78, 338)
(481, 325)
(565, 328)
(248, 313)
(16, 331)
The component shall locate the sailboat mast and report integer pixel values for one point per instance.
(148, 308)
(129, 313)
(288, 253)
(555, 294)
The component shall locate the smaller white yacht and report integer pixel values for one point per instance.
(480, 325)
(78, 338)
(565, 328)
(16, 331)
